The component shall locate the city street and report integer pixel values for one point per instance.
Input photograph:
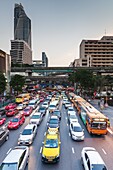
(70, 149)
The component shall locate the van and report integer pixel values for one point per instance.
(33, 103)
(16, 158)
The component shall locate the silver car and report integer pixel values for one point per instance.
(16, 159)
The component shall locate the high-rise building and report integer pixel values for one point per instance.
(22, 25)
(21, 52)
(44, 59)
(96, 53)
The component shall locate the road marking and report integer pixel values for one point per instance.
(66, 118)
(8, 151)
(69, 134)
(67, 124)
(45, 134)
(110, 131)
(73, 150)
(41, 150)
(104, 151)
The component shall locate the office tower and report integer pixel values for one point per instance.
(21, 52)
(44, 59)
(96, 53)
(22, 25)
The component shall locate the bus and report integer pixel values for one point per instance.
(93, 119)
(21, 97)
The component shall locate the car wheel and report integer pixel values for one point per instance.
(7, 137)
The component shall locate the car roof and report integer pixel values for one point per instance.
(52, 136)
(29, 126)
(14, 154)
(94, 157)
(37, 113)
(76, 124)
(53, 117)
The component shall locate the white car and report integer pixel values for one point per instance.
(91, 159)
(67, 104)
(72, 118)
(21, 106)
(16, 158)
(36, 118)
(71, 111)
(28, 135)
(45, 104)
(76, 131)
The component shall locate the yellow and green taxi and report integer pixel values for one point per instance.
(51, 147)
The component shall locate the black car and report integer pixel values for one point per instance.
(2, 112)
(53, 123)
(57, 113)
(4, 135)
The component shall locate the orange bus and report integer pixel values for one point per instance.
(94, 120)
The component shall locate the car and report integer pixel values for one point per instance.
(11, 112)
(53, 122)
(26, 101)
(72, 118)
(42, 99)
(67, 104)
(4, 135)
(2, 120)
(91, 159)
(53, 106)
(57, 113)
(10, 106)
(27, 111)
(36, 118)
(34, 103)
(16, 121)
(76, 131)
(51, 147)
(21, 106)
(45, 104)
(42, 110)
(71, 111)
(28, 135)
(16, 159)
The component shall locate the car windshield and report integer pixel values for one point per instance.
(77, 129)
(51, 143)
(35, 117)
(20, 105)
(41, 109)
(53, 121)
(27, 132)
(15, 120)
(71, 109)
(98, 167)
(52, 106)
(10, 110)
(73, 117)
(9, 166)
(26, 110)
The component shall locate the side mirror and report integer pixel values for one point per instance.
(59, 142)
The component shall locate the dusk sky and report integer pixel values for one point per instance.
(58, 26)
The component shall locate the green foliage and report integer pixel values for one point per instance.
(2, 83)
(17, 82)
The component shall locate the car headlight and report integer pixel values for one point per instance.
(43, 156)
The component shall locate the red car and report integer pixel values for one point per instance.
(10, 106)
(2, 120)
(27, 111)
(16, 122)
(11, 112)
(41, 99)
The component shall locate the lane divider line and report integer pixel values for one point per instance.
(41, 150)
(104, 151)
(73, 150)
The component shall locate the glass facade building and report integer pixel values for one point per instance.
(22, 25)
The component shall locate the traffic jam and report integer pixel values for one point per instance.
(35, 106)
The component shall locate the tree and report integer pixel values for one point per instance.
(17, 82)
(2, 83)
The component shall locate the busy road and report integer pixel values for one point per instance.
(70, 154)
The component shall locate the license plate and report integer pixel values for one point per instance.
(50, 160)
